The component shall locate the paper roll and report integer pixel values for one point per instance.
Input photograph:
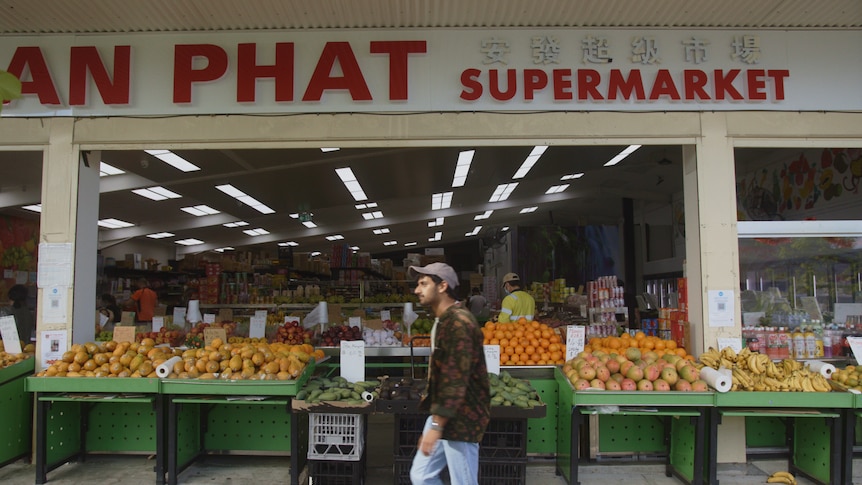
(726, 371)
(715, 379)
(193, 315)
(367, 396)
(825, 369)
(165, 369)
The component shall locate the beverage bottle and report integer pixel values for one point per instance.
(827, 343)
(811, 346)
(799, 349)
(773, 341)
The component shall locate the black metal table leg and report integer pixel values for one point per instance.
(714, 421)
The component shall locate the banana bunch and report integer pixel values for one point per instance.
(781, 477)
(753, 371)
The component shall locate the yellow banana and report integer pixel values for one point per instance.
(806, 384)
(752, 364)
(820, 384)
(783, 474)
(779, 479)
(782, 477)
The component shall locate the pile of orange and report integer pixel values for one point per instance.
(640, 341)
(526, 342)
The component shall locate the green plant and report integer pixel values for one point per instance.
(10, 88)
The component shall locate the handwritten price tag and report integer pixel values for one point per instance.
(124, 334)
(353, 360)
(260, 313)
(732, 342)
(158, 322)
(212, 333)
(385, 315)
(209, 317)
(856, 347)
(355, 322)
(575, 336)
(290, 318)
(9, 331)
(257, 326)
(492, 358)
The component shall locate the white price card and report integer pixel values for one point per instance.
(257, 327)
(124, 333)
(385, 315)
(158, 322)
(575, 337)
(54, 345)
(9, 332)
(260, 313)
(209, 317)
(355, 322)
(179, 315)
(291, 318)
(492, 358)
(353, 360)
(732, 342)
(856, 347)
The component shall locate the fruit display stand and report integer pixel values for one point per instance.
(232, 416)
(75, 416)
(815, 424)
(683, 415)
(16, 407)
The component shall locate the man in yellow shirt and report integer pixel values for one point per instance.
(517, 303)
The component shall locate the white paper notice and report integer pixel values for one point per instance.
(856, 347)
(257, 327)
(492, 358)
(575, 337)
(54, 301)
(209, 317)
(353, 360)
(291, 318)
(53, 346)
(179, 316)
(9, 333)
(732, 342)
(260, 313)
(721, 308)
(385, 315)
(355, 322)
(55, 265)
(158, 322)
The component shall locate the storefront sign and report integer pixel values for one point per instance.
(402, 70)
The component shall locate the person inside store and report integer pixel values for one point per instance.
(478, 305)
(24, 318)
(458, 393)
(109, 308)
(517, 302)
(146, 300)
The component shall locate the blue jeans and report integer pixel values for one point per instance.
(461, 457)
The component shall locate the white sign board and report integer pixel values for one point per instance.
(732, 342)
(492, 358)
(159, 322)
(385, 315)
(355, 321)
(53, 346)
(179, 316)
(856, 347)
(9, 333)
(353, 360)
(209, 318)
(261, 313)
(575, 339)
(291, 318)
(721, 308)
(257, 327)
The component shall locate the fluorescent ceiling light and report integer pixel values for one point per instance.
(621, 155)
(504, 228)
(556, 189)
(372, 215)
(412, 243)
(531, 160)
(173, 160)
(189, 242)
(474, 231)
(369, 205)
(465, 158)
(245, 198)
(354, 248)
(482, 216)
(288, 243)
(437, 236)
(436, 222)
(527, 210)
(33, 207)
(334, 237)
(309, 224)
(315, 253)
(349, 180)
(114, 223)
(200, 210)
(256, 232)
(160, 235)
(295, 215)
(326, 150)
(221, 250)
(502, 192)
(106, 170)
(157, 193)
(571, 176)
(390, 243)
(442, 200)
(236, 224)
(382, 230)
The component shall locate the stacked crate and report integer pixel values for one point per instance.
(336, 448)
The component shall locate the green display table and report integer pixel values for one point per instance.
(683, 414)
(815, 426)
(77, 415)
(247, 416)
(16, 407)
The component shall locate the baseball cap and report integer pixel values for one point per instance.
(443, 270)
(511, 277)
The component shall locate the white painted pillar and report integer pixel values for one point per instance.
(86, 244)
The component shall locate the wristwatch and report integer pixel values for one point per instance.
(436, 426)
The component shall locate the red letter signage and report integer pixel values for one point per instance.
(185, 74)
(352, 80)
(398, 52)
(86, 59)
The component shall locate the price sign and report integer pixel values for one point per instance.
(575, 336)
(856, 347)
(158, 322)
(209, 318)
(732, 342)
(291, 318)
(257, 326)
(385, 315)
(179, 316)
(9, 332)
(492, 358)
(225, 315)
(353, 360)
(128, 318)
(260, 313)
(355, 322)
(124, 334)
(212, 333)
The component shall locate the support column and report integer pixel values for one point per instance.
(712, 250)
(86, 244)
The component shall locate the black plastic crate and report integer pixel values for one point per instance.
(408, 430)
(504, 438)
(502, 472)
(337, 472)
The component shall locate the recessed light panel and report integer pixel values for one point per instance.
(174, 160)
(189, 242)
(200, 210)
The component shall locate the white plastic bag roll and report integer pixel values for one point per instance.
(367, 396)
(825, 369)
(164, 369)
(715, 379)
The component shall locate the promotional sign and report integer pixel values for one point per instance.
(257, 326)
(492, 358)
(9, 333)
(353, 360)
(575, 339)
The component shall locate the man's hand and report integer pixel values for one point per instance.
(428, 440)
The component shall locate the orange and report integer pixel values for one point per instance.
(504, 358)
(670, 344)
